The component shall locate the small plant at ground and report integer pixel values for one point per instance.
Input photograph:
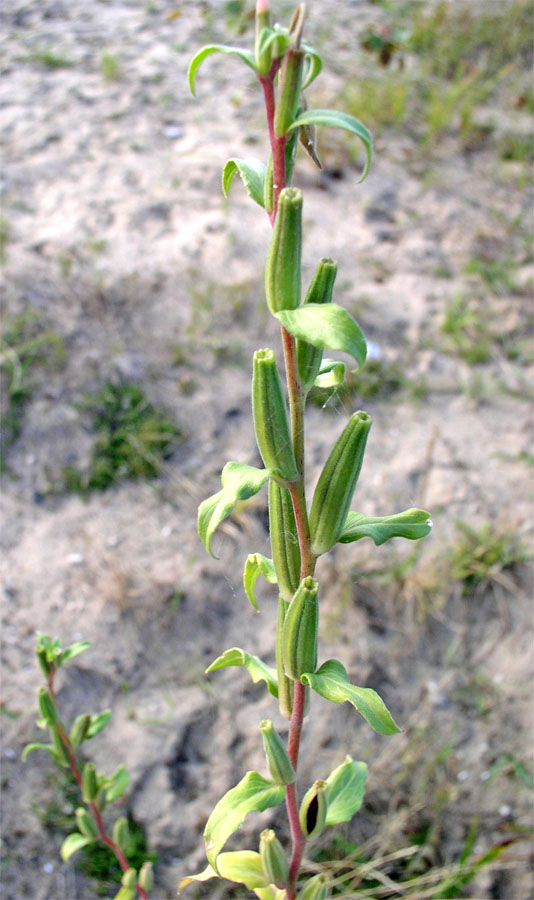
(50, 59)
(466, 330)
(110, 67)
(96, 791)
(133, 439)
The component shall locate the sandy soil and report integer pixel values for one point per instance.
(120, 239)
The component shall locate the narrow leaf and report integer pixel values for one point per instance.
(335, 119)
(314, 63)
(332, 683)
(253, 793)
(252, 173)
(246, 55)
(239, 482)
(243, 481)
(243, 866)
(72, 651)
(346, 786)
(98, 722)
(256, 565)
(412, 524)
(72, 843)
(256, 668)
(328, 326)
(117, 784)
(29, 747)
(205, 875)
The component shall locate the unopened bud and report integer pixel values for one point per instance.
(86, 823)
(47, 707)
(280, 767)
(290, 85)
(121, 832)
(270, 417)
(129, 878)
(316, 888)
(337, 482)
(42, 659)
(313, 810)
(146, 876)
(79, 729)
(284, 540)
(89, 783)
(273, 858)
(283, 267)
(321, 287)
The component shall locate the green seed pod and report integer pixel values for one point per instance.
(79, 729)
(273, 858)
(126, 894)
(333, 494)
(86, 823)
(316, 888)
(89, 783)
(121, 832)
(283, 267)
(299, 638)
(60, 751)
(276, 754)
(289, 88)
(321, 287)
(285, 685)
(284, 540)
(146, 876)
(42, 659)
(47, 707)
(129, 878)
(313, 810)
(270, 417)
(268, 197)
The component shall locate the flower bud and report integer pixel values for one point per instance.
(86, 823)
(60, 751)
(47, 707)
(316, 888)
(79, 729)
(309, 358)
(284, 540)
(283, 267)
(337, 482)
(89, 783)
(42, 659)
(146, 876)
(280, 767)
(273, 858)
(129, 878)
(121, 832)
(299, 637)
(313, 810)
(285, 685)
(263, 29)
(270, 417)
(289, 88)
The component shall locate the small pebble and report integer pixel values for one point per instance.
(504, 810)
(74, 559)
(463, 775)
(484, 775)
(48, 868)
(10, 753)
(173, 131)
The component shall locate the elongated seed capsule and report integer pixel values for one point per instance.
(86, 823)
(89, 783)
(60, 751)
(47, 707)
(299, 637)
(276, 754)
(42, 659)
(313, 810)
(284, 540)
(283, 267)
(285, 685)
(289, 88)
(79, 729)
(316, 888)
(270, 417)
(273, 859)
(146, 876)
(337, 482)
(129, 878)
(268, 198)
(121, 832)
(321, 287)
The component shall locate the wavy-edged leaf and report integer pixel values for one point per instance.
(37, 746)
(331, 682)
(244, 866)
(256, 668)
(239, 482)
(252, 174)
(205, 875)
(331, 374)
(72, 843)
(98, 722)
(411, 524)
(327, 326)
(315, 64)
(117, 784)
(346, 787)
(246, 55)
(253, 793)
(334, 119)
(256, 565)
(72, 651)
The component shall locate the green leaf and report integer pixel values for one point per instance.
(116, 784)
(29, 747)
(332, 683)
(315, 64)
(252, 173)
(253, 793)
(72, 651)
(412, 524)
(239, 482)
(98, 722)
(205, 875)
(244, 866)
(327, 326)
(346, 786)
(335, 119)
(256, 668)
(246, 55)
(256, 565)
(72, 843)
(331, 374)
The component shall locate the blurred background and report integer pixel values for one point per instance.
(132, 300)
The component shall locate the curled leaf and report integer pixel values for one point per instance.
(256, 565)
(246, 55)
(411, 524)
(252, 174)
(239, 482)
(256, 668)
(335, 119)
